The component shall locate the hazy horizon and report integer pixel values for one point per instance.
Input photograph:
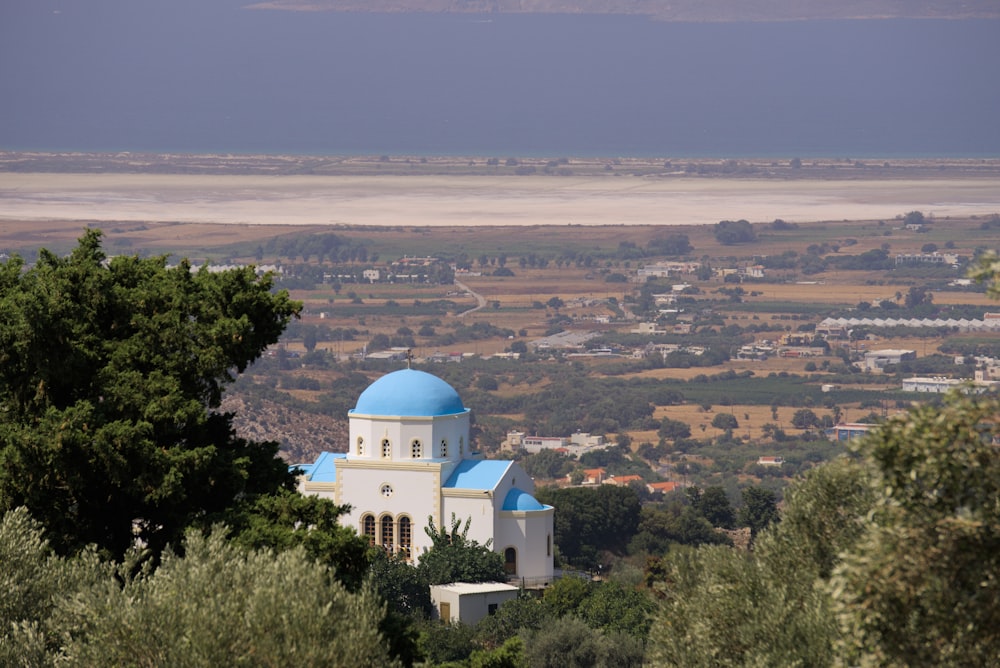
(197, 77)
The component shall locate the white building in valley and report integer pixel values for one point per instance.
(409, 459)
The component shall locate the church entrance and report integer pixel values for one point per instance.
(510, 561)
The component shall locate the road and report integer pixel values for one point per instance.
(480, 300)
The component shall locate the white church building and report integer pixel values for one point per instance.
(409, 459)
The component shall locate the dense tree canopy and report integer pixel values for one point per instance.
(590, 520)
(217, 605)
(110, 374)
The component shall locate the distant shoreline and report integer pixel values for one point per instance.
(502, 199)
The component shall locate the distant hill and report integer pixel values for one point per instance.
(670, 10)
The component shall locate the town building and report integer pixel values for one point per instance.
(410, 460)
(847, 431)
(470, 602)
(876, 360)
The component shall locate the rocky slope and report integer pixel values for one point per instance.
(302, 435)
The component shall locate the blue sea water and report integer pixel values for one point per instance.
(212, 76)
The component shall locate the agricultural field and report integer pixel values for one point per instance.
(480, 304)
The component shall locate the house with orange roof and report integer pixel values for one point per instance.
(622, 481)
(662, 487)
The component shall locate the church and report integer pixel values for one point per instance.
(409, 459)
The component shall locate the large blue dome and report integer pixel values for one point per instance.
(409, 393)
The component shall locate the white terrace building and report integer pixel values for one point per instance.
(410, 460)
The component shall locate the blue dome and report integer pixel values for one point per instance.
(518, 499)
(409, 393)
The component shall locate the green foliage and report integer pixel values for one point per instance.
(216, 605)
(288, 519)
(547, 464)
(714, 506)
(671, 244)
(590, 520)
(400, 585)
(454, 557)
(441, 643)
(566, 594)
(672, 523)
(109, 377)
(922, 585)
(523, 613)
(612, 607)
(674, 429)
(570, 642)
(725, 421)
(734, 232)
(759, 509)
(725, 607)
(804, 418)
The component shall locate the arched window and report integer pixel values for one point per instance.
(386, 448)
(548, 545)
(405, 536)
(444, 448)
(461, 446)
(368, 528)
(361, 446)
(416, 449)
(386, 542)
(510, 561)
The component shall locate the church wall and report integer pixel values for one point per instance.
(414, 494)
(480, 509)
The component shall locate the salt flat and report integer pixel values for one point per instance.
(478, 200)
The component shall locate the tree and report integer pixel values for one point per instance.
(288, 519)
(917, 296)
(592, 519)
(674, 429)
(730, 232)
(612, 607)
(725, 421)
(714, 506)
(111, 374)
(672, 244)
(804, 418)
(921, 586)
(914, 218)
(216, 605)
(760, 509)
(454, 557)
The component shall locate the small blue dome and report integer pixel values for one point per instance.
(518, 499)
(409, 393)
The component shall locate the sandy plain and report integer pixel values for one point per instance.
(393, 200)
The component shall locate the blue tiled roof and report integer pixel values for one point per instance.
(484, 474)
(409, 393)
(325, 467)
(518, 499)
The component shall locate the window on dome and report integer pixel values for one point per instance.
(444, 448)
(386, 448)
(361, 446)
(405, 536)
(416, 449)
(368, 528)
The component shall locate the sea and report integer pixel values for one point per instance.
(214, 76)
